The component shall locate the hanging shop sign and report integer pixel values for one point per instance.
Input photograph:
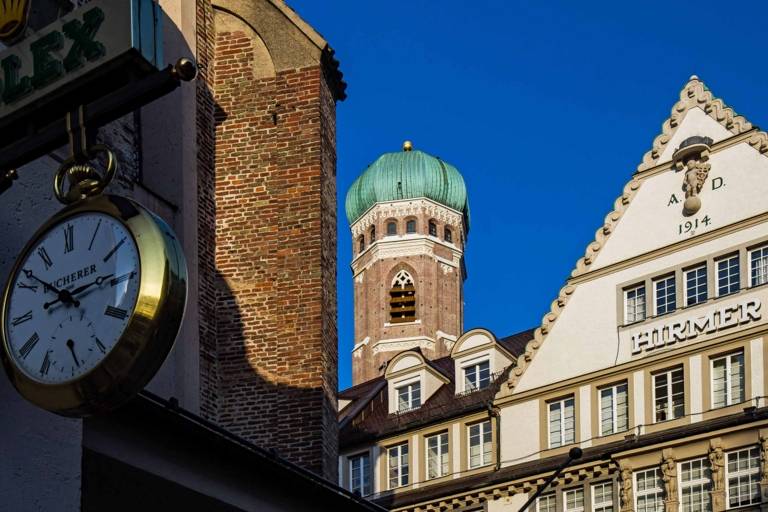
(84, 55)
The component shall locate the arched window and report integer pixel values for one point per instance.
(373, 234)
(402, 302)
(361, 243)
(448, 235)
(410, 226)
(391, 228)
(432, 228)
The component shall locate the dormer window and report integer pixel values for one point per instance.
(432, 228)
(391, 228)
(408, 396)
(402, 302)
(448, 235)
(477, 376)
(410, 226)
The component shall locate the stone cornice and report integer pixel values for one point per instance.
(402, 246)
(399, 209)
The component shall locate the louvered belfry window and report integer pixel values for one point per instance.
(402, 302)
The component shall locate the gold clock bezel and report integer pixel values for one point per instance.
(151, 330)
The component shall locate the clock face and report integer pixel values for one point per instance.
(72, 298)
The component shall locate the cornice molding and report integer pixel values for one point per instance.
(404, 208)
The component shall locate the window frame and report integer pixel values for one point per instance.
(407, 383)
(403, 462)
(686, 273)
(729, 399)
(614, 412)
(440, 454)
(749, 472)
(552, 496)
(669, 306)
(670, 406)
(365, 476)
(389, 224)
(705, 481)
(481, 436)
(658, 490)
(408, 224)
(583, 499)
(372, 234)
(625, 292)
(432, 228)
(593, 505)
(474, 363)
(448, 234)
(563, 440)
(763, 249)
(727, 258)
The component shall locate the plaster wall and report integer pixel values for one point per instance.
(586, 337)
(519, 432)
(735, 190)
(508, 504)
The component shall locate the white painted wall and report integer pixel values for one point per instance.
(519, 432)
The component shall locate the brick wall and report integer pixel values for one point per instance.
(271, 226)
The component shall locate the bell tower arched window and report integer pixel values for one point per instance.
(448, 235)
(432, 228)
(402, 302)
(391, 228)
(361, 243)
(410, 226)
(373, 234)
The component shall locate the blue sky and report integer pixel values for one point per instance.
(545, 107)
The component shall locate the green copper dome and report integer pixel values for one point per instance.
(407, 174)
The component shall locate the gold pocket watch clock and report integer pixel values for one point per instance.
(95, 300)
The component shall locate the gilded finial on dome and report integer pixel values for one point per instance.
(407, 146)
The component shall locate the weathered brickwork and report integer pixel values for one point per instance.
(268, 238)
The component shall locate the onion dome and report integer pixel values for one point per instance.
(407, 174)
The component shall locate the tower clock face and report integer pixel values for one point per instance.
(72, 298)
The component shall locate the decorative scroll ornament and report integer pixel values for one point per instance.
(13, 19)
(692, 156)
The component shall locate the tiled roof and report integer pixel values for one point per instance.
(367, 418)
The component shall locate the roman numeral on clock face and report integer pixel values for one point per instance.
(23, 286)
(118, 313)
(100, 345)
(21, 319)
(46, 364)
(44, 256)
(29, 345)
(69, 238)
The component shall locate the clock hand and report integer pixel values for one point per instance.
(97, 282)
(71, 346)
(64, 295)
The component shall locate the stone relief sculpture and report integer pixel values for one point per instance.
(627, 502)
(764, 457)
(717, 466)
(692, 156)
(669, 476)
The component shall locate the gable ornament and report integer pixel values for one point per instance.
(691, 157)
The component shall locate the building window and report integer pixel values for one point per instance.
(480, 444)
(408, 396)
(695, 478)
(634, 300)
(743, 474)
(402, 301)
(448, 235)
(361, 243)
(562, 425)
(432, 228)
(602, 497)
(437, 455)
(360, 474)
(410, 226)
(373, 234)
(669, 394)
(728, 380)
(758, 266)
(398, 465)
(614, 415)
(728, 275)
(665, 295)
(573, 500)
(546, 503)
(477, 376)
(391, 228)
(696, 285)
(649, 491)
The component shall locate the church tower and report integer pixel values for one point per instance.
(409, 217)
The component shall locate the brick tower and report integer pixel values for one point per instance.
(409, 217)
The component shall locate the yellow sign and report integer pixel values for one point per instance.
(13, 19)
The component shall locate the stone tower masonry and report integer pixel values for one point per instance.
(409, 219)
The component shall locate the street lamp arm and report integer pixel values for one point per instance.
(574, 453)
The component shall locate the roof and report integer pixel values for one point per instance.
(367, 418)
(407, 174)
(477, 481)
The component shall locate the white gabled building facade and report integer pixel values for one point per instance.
(652, 358)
